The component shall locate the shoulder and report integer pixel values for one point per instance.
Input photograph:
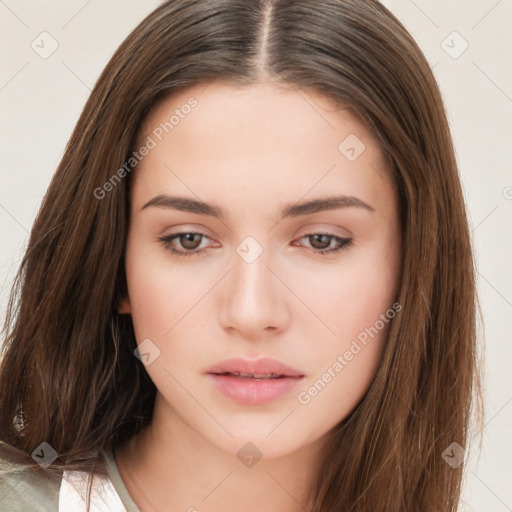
(29, 488)
(22, 489)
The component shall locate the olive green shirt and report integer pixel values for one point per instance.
(25, 491)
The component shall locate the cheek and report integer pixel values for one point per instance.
(348, 296)
(356, 302)
(162, 300)
(158, 291)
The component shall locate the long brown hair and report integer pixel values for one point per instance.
(68, 374)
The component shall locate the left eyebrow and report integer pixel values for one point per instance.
(324, 203)
(185, 204)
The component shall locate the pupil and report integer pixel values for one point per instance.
(189, 240)
(318, 238)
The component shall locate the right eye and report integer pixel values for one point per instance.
(189, 241)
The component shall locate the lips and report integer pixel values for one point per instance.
(253, 382)
(254, 375)
(264, 368)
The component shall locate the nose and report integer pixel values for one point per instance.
(255, 301)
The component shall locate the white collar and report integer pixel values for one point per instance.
(73, 494)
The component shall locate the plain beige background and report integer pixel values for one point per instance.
(469, 46)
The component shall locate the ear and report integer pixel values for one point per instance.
(124, 306)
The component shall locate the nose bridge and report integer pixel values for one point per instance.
(252, 279)
(254, 300)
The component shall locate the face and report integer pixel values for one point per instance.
(268, 270)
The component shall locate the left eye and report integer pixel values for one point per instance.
(325, 239)
(190, 241)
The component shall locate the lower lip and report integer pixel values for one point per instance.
(253, 391)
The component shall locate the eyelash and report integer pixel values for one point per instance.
(166, 242)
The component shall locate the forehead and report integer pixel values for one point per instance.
(263, 138)
(270, 106)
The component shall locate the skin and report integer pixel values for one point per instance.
(251, 151)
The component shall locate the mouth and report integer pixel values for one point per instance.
(256, 376)
(263, 368)
(253, 382)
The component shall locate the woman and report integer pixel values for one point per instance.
(250, 284)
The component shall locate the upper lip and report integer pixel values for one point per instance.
(261, 366)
